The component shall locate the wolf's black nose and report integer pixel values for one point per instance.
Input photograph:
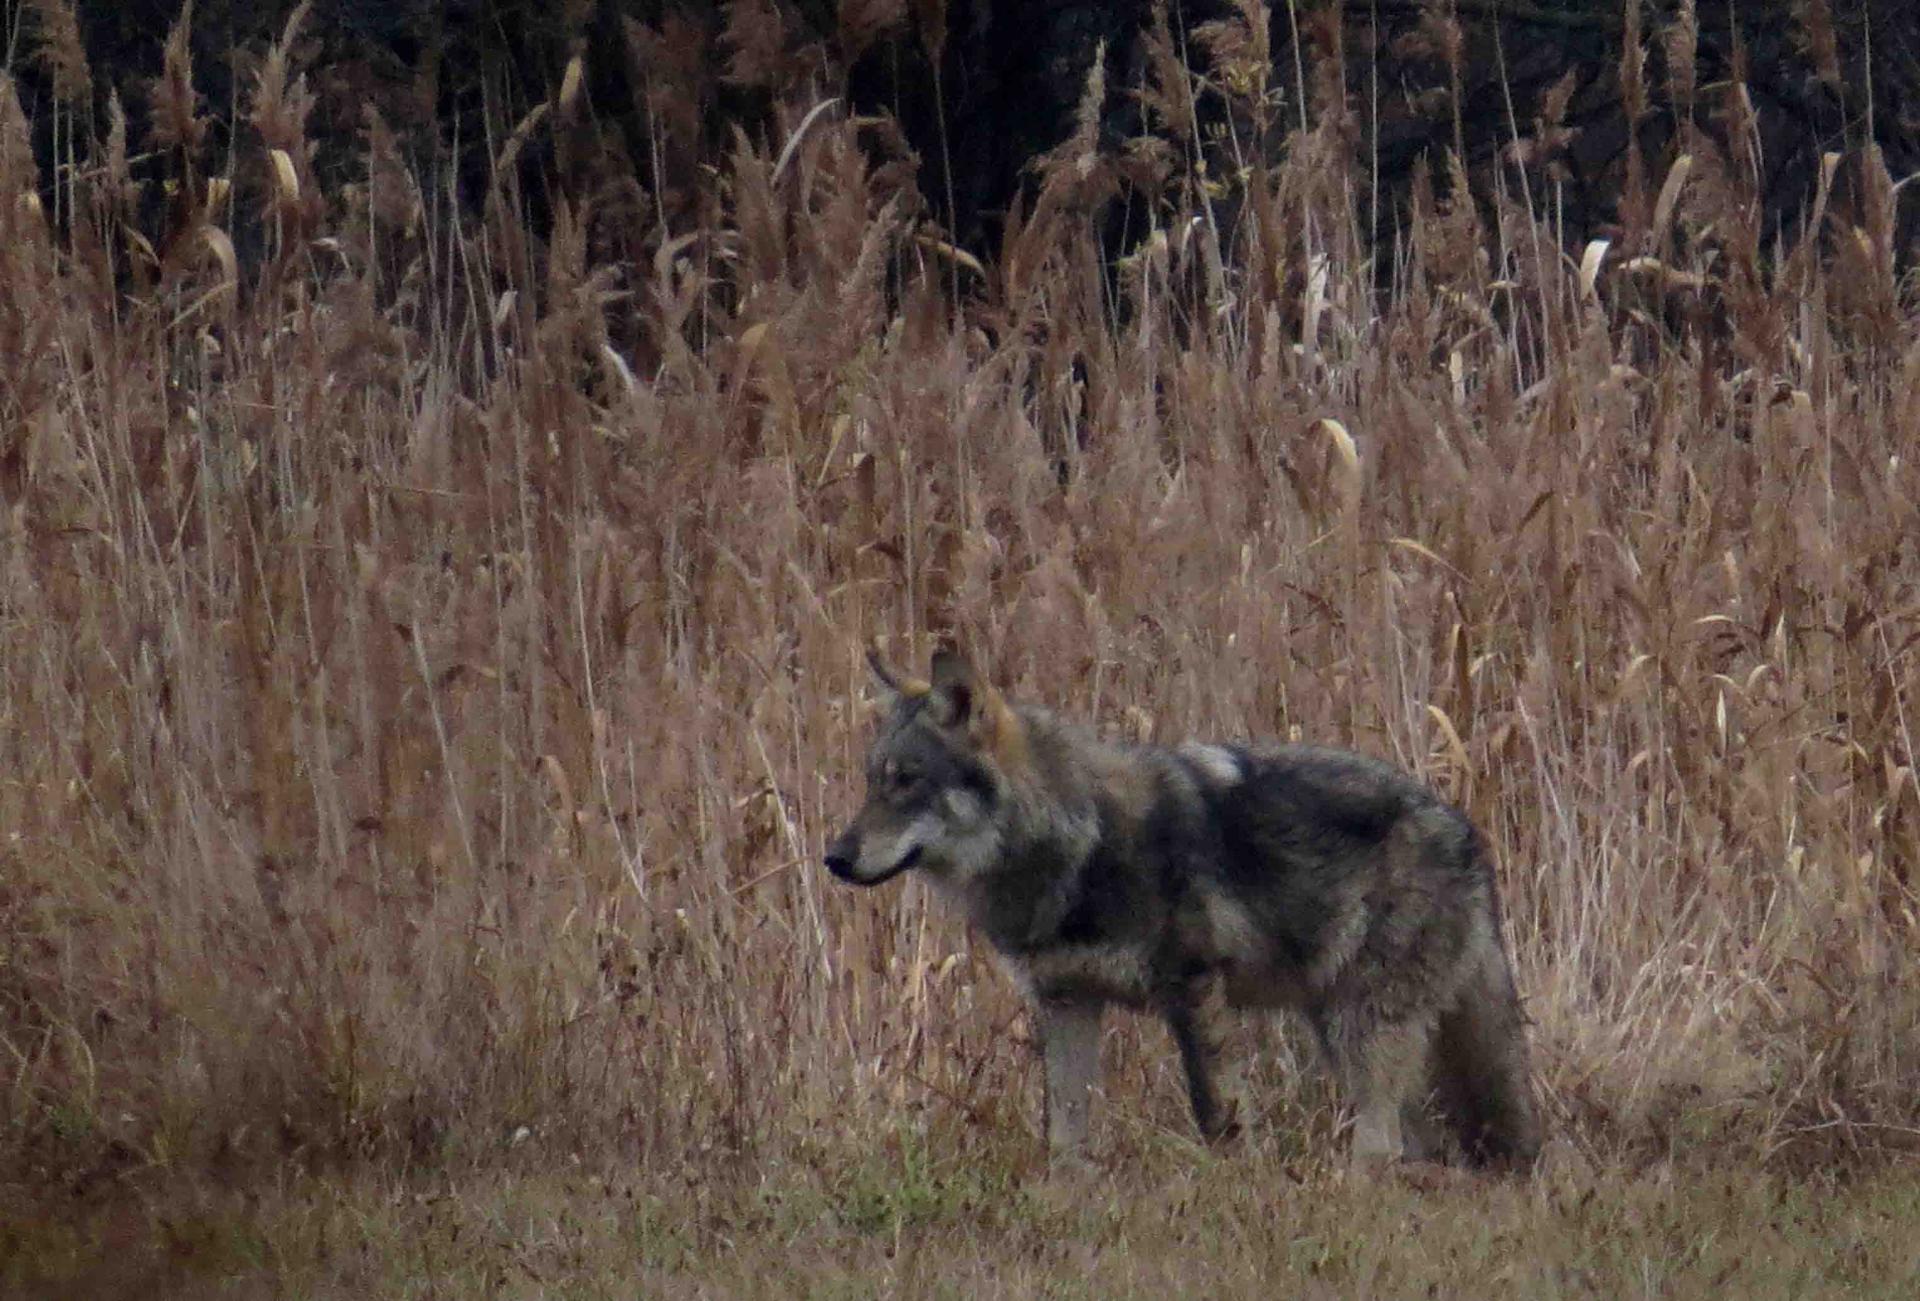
(841, 856)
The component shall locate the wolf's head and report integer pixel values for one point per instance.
(936, 778)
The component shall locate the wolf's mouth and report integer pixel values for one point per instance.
(842, 865)
(907, 860)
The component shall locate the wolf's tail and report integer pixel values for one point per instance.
(1480, 1059)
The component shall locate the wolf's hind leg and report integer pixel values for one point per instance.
(1203, 1027)
(1382, 1068)
(1423, 1133)
(1070, 1048)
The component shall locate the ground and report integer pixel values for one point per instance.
(908, 1219)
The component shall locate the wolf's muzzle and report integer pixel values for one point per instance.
(839, 860)
(843, 860)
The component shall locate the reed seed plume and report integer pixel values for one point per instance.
(60, 50)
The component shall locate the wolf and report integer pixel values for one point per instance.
(1195, 880)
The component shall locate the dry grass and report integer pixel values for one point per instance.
(429, 651)
(918, 1217)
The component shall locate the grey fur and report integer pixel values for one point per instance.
(1195, 880)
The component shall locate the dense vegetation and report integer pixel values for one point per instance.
(431, 617)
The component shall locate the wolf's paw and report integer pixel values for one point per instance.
(1432, 1176)
(1072, 1165)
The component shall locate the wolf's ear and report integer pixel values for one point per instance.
(893, 687)
(959, 700)
(889, 683)
(956, 691)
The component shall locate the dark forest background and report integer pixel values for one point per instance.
(981, 88)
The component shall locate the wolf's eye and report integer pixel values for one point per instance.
(905, 779)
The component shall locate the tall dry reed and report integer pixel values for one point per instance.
(430, 646)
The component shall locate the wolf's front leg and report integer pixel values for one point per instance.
(1070, 1046)
(1203, 1027)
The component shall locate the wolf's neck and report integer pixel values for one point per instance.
(1040, 877)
